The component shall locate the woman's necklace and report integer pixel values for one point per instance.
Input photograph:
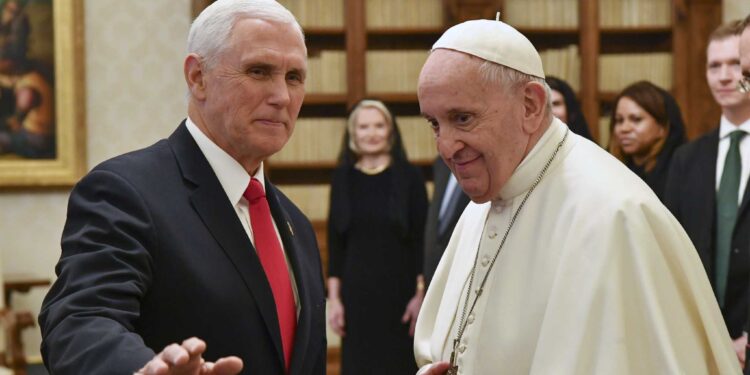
(453, 369)
(371, 170)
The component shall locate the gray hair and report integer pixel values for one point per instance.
(210, 30)
(509, 78)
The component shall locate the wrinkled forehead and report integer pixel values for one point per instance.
(448, 66)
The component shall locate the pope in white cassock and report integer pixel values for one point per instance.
(565, 262)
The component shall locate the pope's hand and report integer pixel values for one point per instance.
(438, 368)
(188, 359)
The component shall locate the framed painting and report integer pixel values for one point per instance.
(42, 101)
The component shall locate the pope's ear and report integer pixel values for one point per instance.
(194, 71)
(534, 104)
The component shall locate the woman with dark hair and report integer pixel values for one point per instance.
(646, 127)
(566, 108)
(375, 232)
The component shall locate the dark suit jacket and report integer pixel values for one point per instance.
(153, 253)
(691, 196)
(434, 242)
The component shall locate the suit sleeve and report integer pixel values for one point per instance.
(673, 185)
(336, 244)
(88, 316)
(417, 216)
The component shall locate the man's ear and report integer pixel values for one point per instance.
(534, 105)
(194, 76)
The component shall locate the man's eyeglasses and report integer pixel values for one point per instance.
(744, 85)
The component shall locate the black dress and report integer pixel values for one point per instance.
(375, 242)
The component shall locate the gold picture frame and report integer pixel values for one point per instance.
(68, 164)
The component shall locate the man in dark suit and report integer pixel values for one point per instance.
(186, 238)
(707, 187)
(448, 202)
(745, 86)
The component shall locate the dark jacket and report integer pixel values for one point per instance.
(153, 253)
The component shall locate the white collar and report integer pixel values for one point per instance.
(232, 176)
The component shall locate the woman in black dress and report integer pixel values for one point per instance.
(646, 127)
(375, 232)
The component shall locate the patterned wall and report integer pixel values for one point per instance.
(135, 96)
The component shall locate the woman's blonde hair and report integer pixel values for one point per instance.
(351, 122)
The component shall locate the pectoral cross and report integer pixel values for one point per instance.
(453, 370)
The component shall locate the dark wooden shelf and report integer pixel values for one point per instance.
(317, 30)
(395, 97)
(315, 98)
(406, 31)
(636, 40)
(403, 37)
(631, 30)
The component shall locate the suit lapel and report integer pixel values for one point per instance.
(217, 214)
(295, 252)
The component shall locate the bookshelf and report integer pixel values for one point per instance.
(673, 32)
(584, 35)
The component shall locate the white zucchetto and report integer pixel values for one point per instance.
(493, 41)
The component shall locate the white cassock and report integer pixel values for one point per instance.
(596, 277)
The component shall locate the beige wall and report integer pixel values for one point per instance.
(135, 96)
(736, 9)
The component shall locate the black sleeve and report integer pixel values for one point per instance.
(88, 316)
(674, 183)
(336, 246)
(418, 205)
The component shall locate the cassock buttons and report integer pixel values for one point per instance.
(470, 319)
(492, 235)
(462, 348)
(485, 260)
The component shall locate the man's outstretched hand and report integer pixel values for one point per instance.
(187, 359)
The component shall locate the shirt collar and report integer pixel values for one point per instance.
(233, 178)
(727, 127)
(528, 170)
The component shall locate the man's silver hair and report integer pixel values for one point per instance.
(509, 79)
(210, 30)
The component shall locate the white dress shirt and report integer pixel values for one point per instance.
(234, 179)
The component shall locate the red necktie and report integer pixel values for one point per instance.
(274, 264)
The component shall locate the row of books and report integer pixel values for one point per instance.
(399, 13)
(319, 139)
(564, 63)
(312, 200)
(315, 139)
(519, 13)
(397, 71)
(616, 71)
(541, 13)
(632, 13)
(317, 13)
(394, 70)
(326, 72)
(418, 138)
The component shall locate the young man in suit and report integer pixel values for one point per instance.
(707, 186)
(448, 202)
(186, 239)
